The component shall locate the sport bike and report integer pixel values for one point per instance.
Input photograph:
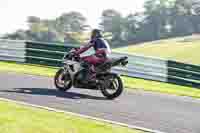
(77, 73)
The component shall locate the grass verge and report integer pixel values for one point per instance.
(183, 49)
(15, 118)
(132, 83)
(154, 86)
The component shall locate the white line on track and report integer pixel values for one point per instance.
(83, 116)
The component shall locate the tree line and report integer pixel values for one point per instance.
(160, 19)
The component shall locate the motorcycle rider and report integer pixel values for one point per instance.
(101, 47)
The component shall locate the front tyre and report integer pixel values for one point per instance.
(111, 86)
(62, 81)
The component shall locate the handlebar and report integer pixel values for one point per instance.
(71, 55)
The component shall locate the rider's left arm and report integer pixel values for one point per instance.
(85, 48)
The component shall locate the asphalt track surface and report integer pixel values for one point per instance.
(170, 114)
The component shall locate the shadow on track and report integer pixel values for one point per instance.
(51, 92)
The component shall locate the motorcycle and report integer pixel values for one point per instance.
(76, 73)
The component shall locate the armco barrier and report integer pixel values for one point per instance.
(183, 74)
(149, 68)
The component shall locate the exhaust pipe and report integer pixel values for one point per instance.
(122, 61)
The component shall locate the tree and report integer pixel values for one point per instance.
(58, 29)
(34, 23)
(186, 17)
(183, 7)
(195, 17)
(39, 29)
(130, 27)
(196, 7)
(112, 22)
(182, 26)
(71, 22)
(18, 35)
(158, 15)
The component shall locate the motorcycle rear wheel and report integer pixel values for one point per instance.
(111, 82)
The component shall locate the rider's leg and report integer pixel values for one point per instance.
(93, 60)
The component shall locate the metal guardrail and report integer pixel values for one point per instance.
(149, 68)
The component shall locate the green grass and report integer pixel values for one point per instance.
(27, 69)
(131, 83)
(185, 49)
(16, 118)
(153, 86)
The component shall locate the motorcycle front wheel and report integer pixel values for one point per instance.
(111, 86)
(62, 81)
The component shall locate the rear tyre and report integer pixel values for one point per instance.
(62, 81)
(111, 82)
